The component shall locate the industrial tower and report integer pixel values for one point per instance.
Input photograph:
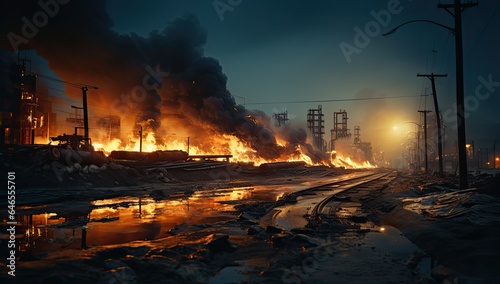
(19, 105)
(365, 147)
(316, 126)
(340, 129)
(280, 118)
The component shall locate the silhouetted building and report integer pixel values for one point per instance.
(18, 103)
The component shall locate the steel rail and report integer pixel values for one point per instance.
(318, 208)
(322, 187)
(293, 213)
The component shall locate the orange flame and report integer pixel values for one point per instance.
(348, 163)
(223, 144)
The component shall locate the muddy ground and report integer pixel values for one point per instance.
(418, 229)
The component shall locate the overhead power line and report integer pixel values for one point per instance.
(334, 100)
(65, 82)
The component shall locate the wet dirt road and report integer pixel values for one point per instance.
(308, 203)
(197, 235)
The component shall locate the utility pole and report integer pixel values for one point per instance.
(84, 88)
(438, 118)
(444, 135)
(494, 154)
(425, 112)
(140, 139)
(458, 7)
(85, 117)
(419, 157)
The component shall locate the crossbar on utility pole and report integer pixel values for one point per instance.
(425, 112)
(458, 7)
(438, 118)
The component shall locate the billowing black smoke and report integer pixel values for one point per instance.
(162, 76)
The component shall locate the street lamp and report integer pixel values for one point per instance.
(77, 118)
(414, 21)
(457, 30)
(76, 109)
(420, 126)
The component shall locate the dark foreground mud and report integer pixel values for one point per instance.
(416, 229)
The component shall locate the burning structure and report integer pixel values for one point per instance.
(166, 86)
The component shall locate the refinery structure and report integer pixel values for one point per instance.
(28, 118)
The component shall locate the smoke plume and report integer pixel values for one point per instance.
(162, 82)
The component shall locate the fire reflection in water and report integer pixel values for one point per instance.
(127, 219)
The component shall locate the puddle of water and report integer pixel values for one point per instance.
(392, 241)
(126, 219)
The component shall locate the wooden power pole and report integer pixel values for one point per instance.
(438, 117)
(458, 7)
(85, 117)
(425, 112)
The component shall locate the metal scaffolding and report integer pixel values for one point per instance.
(365, 147)
(24, 88)
(340, 129)
(316, 126)
(280, 118)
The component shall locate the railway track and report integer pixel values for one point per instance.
(362, 189)
(308, 206)
(329, 185)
